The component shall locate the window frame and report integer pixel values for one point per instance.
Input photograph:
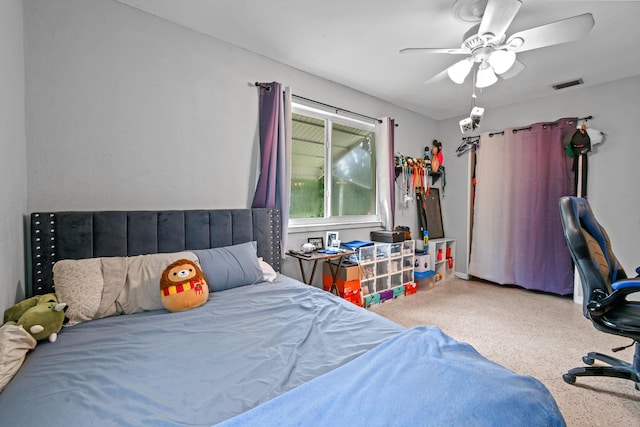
(352, 221)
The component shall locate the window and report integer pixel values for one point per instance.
(333, 174)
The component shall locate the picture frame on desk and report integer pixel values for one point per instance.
(331, 236)
(318, 242)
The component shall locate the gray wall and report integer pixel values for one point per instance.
(614, 174)
(128, 111)
(13, 177)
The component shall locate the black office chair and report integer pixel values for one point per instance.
(605, 288)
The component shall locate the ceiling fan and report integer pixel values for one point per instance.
(487, 45)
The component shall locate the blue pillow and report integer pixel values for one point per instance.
(230, 267)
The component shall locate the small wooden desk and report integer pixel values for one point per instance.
(320, 256)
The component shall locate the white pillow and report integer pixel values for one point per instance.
(99, 287)
(141, 291)
(79, 283)
(268, 273)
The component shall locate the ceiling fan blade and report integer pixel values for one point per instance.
(454, 51)
(497, 17)
(558, 32)
(515, 69)
(438, 78)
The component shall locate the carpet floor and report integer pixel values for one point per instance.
(530, 333)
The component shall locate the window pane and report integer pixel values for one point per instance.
(307, 167)
(353, 185)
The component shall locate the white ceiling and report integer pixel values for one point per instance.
(356, 43)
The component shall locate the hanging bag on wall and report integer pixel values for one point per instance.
(580, 141)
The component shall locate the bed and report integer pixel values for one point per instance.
(273, 352)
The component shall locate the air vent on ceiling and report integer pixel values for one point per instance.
(565, 85)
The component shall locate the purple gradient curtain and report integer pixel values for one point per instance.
(392, 171)
(517, 232)
(272, 190)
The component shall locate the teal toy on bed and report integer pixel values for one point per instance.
(41, 315)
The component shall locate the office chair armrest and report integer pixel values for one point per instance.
(601, 303)
(629, 285)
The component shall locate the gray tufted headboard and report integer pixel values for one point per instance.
(77, 235)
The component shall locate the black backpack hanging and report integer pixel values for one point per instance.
(580, 145)
(580, 141)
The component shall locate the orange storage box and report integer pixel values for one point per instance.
(344, 286)
(410, 288)
(354, 297)
(348, 278)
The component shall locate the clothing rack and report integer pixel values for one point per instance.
(468, 142)
(410, 174)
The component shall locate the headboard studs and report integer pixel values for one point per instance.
(78, 235)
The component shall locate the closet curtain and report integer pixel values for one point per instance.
(386, 171)
(273, 190)
(517, 232)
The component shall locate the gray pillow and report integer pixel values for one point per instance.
(230, 267)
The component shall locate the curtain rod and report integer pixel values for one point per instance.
(544, 124)
(267, 87)
(336, 108)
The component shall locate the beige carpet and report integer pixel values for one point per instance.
(530, 333)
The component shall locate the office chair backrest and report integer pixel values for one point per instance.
(590, 249)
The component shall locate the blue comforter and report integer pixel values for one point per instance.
(421, 377)
(280, 353)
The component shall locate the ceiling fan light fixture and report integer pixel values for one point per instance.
(485, 77)
(501, 60)
(460, 70)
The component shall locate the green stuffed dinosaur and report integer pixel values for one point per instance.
(41, 315)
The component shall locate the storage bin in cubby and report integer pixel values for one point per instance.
(371, 299)
(395, 280)
(410, 288)
(408, 262)
(382, 268)
(382, 283)
(395, 250)
(408, 247)
(382, 251)
(368, 271)
(367, 254)
(386, 295)
(386, 269)
(395, 265)
(368, 286)
(398, 291)
(407, 276)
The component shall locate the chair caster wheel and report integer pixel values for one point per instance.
(569, 379)
(588, 360)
